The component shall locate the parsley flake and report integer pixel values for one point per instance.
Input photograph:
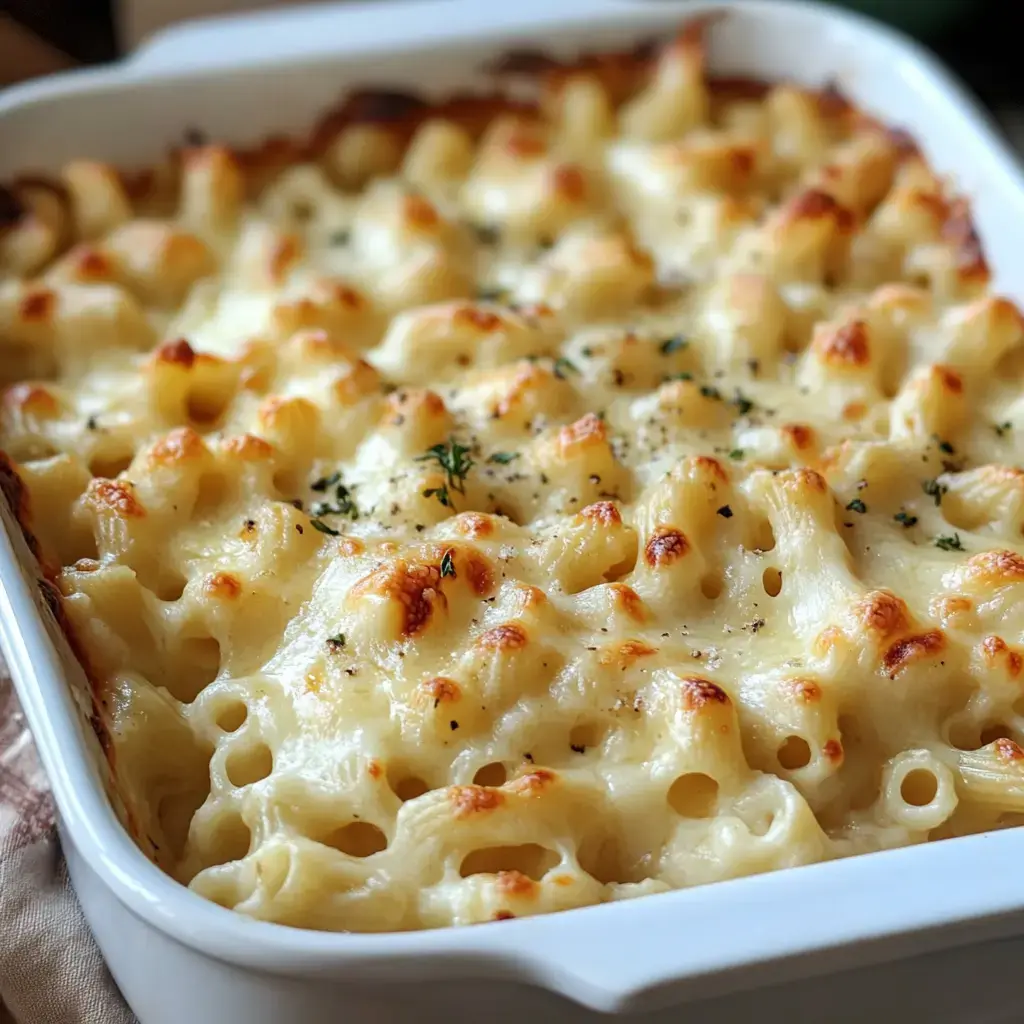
(447, 564)
(905, 519)
(711, 392)
(322, 527)
(340, 238)
(577, 747)
(674, 344)
(949, 543)
(336, 643)
(742, 403)
(487, 234)
(441, 493)
(857, 506)
(736, 453)
(934, 490)
(725, 512)
(491, 294)
(1002, 428)
(945, 446)
(562, 367)
(503, 458)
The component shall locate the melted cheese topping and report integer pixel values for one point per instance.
(626, 499)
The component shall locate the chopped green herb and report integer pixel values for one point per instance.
(492, 294)
(578, 748)
(736, 453)
(455, 460)
(324, 482)
(340, 238)
(742, 403)
(905, 519)
(447, 564)
(344, 504)
(934, 490)
(945, 446)
(545, 242)
(679, 376)
(487, 234)
(949, 543)
(725, 512)
(586, 351)
(1002, 428)
(319, 524)
(503, 458)
(674, 344)
(857, 506)
(441, 493)
(711, 392)
(562, 367)
(336, 642)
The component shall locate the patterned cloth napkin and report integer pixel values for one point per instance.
(50, 969)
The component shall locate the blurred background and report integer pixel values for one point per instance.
(977, 38)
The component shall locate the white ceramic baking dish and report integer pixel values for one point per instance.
(178, 958)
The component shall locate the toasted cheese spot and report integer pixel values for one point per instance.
(846, 345)
(514, 883)
(38, 306)
(350, 547)
(510, 636)
(474, 524)
(524, 142)
(603, 512)
(91, 264)
(417, 588)
(587, 432)
(995, 650)
(374, 769)
(481, 319)
(441, 690)
(699, 693)
(806, 690)
(470, 800)
(532, 783)
(283, 256)
(882, 614)
(809, 479)
(503, 915)
(854, 411)
(180, 445)
(357, 381)
(412, 402)
(960, 232)
(665, 546)
(419, 213)
(626, 653)
(178, 352)
(32, 400)
(248, 447)
(222, 585)
(569, 183)
(116, 496)
(950, 380)
(705, 466)
(801, 437)
(626, 598)
(833, 751)
(479, 573)
(997, 566)
(909, 649)
(814, 204)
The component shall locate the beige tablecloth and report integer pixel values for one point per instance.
(50, 969)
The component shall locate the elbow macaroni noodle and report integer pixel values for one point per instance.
(497, 508)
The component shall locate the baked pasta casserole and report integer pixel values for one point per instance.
(494, 506)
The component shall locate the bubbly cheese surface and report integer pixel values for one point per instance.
(465, 525)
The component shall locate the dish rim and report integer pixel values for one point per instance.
(578, 952)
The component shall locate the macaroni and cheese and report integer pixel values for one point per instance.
(495, 507)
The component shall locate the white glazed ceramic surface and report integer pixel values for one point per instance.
(178, 958)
